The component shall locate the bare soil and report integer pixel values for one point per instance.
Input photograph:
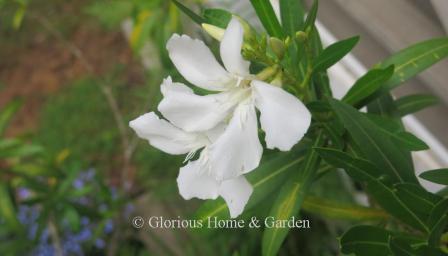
(41, 66)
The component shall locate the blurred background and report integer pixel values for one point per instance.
(72, 75)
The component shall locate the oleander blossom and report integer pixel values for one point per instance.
(223, 124)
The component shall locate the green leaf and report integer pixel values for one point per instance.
(265, 180)
(414, 103)
(334, 134)
(428, 251)
(312, 15)
(7, 210)
(367, 85)
(268, 18)
(417, 199)
(437, 221)
(409, 141)
(374, 146)
(290, 200)
(401, 248)
(366, 241)
(336, 210)
(7, 114)
(395, 132)
(321, 82)
(439, 176)
(334, 53)
(111, 13)
(377, 187)
(196, 18)
(217, 17)
(385, 107)
(66, 183)
(72, 217)
(12, 148)
(292, 15)
(18, 16)
(414, 59)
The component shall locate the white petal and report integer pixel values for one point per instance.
(283, 117)
(194, 60)
(231, 45)
(236, 193)
(195, 182)
(192, 112)
(216, 132)
(238, 149)
(169, 87)
(164, 136)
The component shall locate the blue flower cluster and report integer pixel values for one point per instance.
(71, 242)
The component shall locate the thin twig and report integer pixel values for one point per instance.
(55, 238)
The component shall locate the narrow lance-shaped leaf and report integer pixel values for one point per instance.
(196, 18)
(429, 251)
(437, 221)
(414, 103)
(403, 139)
(366, 241)
(7, 113)
(418, 200)
(11, 148)
(385, 107)
(400, 248)
(290, 199)
(312, 15)
(217, 17)
(367, 86)
(439, 176)
(292, 15)
(364, 171)
(7, 211)
(376, 147)
(334, 210)
(414, 59)
(321, 81)
(268, 18)
(334, 53)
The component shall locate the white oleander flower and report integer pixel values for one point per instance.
(283, 117)
(194, 179)
(224, 125)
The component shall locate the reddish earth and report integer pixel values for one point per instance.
(44, 64)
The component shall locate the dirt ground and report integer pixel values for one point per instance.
(42, 65)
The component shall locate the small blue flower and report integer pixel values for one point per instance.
(99, 243)
(128, 210)
(89, 174)
(23, 193)
(109, 226)
(78, 183)
(84, 235)
(85, 221)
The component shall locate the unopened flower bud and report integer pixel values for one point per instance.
(301, 36)
(214, 31)
(278, 46)
(288, 42)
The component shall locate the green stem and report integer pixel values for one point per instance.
(304, 86)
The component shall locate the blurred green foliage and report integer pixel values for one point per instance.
(78, 119)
